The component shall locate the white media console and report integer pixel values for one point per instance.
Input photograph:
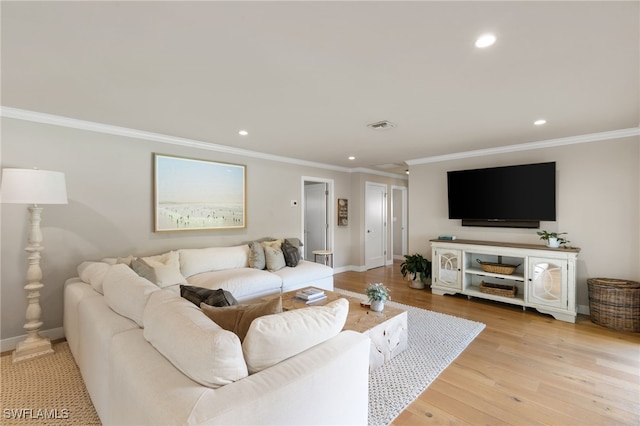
(545, 277)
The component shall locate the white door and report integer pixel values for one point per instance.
(399, 221)
(315, 218)
(375, 225)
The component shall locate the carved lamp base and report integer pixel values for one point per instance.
(32, 349)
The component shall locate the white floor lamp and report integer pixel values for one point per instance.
(33, 186)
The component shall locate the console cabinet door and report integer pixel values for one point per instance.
(548, 282)
(447, 264)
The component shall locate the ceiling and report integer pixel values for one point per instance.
(305, 78)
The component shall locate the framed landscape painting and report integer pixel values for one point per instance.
(195, 195)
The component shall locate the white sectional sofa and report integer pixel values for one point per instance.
(151, 357)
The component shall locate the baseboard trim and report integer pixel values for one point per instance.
(584, 309)
(11, 343)
(349, 268)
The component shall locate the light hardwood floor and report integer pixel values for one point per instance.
(525, 368)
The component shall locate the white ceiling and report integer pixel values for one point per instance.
(305, 78)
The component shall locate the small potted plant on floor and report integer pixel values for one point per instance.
(416, 269)
(553, 239)
(377, 294)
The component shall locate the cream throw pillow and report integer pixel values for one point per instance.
(162, 270)
(273, 243)
(274, 338)
(274, 258)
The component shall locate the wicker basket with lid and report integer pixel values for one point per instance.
(615, 303)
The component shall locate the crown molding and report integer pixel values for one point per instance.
(91, 126)
(74, 123)
(550, 143)
(379, 173)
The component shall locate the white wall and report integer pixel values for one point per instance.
(110, 210)
(598, 200)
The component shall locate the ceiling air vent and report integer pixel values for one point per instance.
(381, 125)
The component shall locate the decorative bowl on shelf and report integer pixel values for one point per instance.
(497, 268)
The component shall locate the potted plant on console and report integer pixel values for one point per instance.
(553, 239)
(377, 294)
(416, 269)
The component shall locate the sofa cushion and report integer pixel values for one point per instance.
(256, 255)
(243, 283)
(212, 297)
(197, 261)
(305, 272)
(93, 273)
(291, 254)
(274, 258)
(126, 292)
(274, 338)
(193, 343)
(238, 318)
(162, 270)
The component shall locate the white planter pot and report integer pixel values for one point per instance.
(377, 305)
(553, 243)
(414, 283)
(417, 284)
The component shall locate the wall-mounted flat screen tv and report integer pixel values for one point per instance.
(511, 196)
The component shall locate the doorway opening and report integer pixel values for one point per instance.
(317, 222)
(399, 228)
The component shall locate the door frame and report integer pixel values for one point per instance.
(330, 209)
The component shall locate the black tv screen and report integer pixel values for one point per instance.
(487, 197)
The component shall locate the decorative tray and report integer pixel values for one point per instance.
(497, 268)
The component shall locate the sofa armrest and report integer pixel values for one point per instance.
(327, 384)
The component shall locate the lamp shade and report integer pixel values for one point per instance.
(33, 186)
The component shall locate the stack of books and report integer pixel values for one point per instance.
(311, 295)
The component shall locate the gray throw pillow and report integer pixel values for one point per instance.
(256, 255)
(291, 254)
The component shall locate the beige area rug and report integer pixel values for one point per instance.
(45, 391)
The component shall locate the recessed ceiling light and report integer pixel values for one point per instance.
(485, 40)
(243, 133)
(352, 158)
(540, 122)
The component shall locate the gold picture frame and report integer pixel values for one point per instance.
(195, 195)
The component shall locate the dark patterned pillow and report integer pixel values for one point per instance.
(291, 254)
(216, 297)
